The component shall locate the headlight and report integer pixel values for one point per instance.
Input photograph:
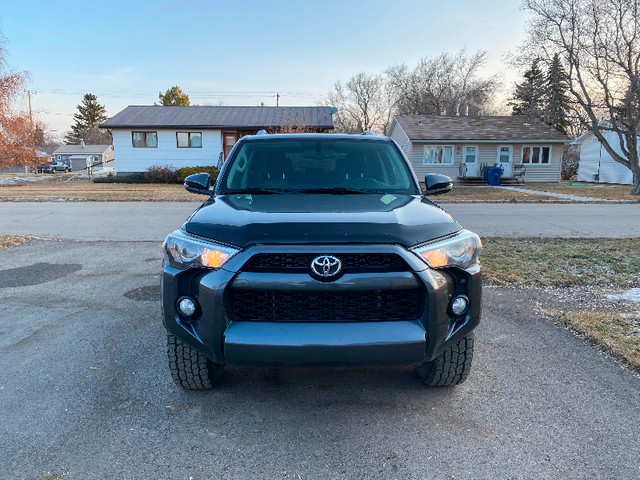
(184, 251)
(461, 250)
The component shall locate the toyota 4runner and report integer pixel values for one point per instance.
(319, 250)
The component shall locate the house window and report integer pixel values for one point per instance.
(145, 139)
(189, 139)
(438, 155)
(532, 155)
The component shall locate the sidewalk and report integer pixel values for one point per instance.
(565, 196)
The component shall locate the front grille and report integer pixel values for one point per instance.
(288, 306)
(351, 262)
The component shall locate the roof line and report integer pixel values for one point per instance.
(202, 127)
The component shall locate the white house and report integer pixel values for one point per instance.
(79, 157)
(191, 136)
(462, 147)
(596, 165)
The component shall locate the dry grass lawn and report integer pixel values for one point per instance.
(594, 190)
(561, 262)
(483, 193)
(85, 190)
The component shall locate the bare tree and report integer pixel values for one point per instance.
(446, 84)
(598, 41)
(362, 103)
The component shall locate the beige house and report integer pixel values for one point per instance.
(464, 147)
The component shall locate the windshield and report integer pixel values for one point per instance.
(317, 165)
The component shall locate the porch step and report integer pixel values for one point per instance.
(483, 181)
(472, 180)
(510, 181)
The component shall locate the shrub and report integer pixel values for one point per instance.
(133, 178)
(161, 174)
(570, 162)
(183, 173)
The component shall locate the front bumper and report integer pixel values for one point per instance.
(327, 341)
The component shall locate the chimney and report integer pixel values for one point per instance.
(82, 142)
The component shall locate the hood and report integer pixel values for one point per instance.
(244, 220)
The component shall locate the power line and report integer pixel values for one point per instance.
(194, 94)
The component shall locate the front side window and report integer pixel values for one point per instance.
(145, 139)
(534, 155)
(438, 155)
(189, 139)
(312, 165)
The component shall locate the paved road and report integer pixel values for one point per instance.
(85, 392)
(152, 221)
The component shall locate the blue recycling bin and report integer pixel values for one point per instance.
(493, 175)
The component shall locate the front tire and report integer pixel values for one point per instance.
(190, 369)
(451, 367)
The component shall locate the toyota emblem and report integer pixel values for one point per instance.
(326, 267)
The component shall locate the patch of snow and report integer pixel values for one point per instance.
(632, 295)
(14, 180)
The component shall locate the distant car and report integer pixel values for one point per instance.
(54, 167)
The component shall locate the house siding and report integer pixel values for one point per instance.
(541, 173)
(129, 159)
(488, 153)
(397, 134)
(421, 169)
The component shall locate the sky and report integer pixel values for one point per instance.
(236, 53)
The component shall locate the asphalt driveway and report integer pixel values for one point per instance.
(85, 391)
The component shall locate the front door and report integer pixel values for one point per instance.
(470, 159)
(505, 159)
(228, 141)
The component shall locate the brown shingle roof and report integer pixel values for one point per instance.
(479, 128)
(219, 117)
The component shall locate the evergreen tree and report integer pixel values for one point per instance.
(174, 97)
(557, 101)
(90, 115)
(529, 96)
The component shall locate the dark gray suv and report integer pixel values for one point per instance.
(319, 250)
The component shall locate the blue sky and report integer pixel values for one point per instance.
(238, 53)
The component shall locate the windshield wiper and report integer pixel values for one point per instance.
(266, 191)
(337, 190)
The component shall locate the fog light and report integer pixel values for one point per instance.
(186, 307)
(459, 305)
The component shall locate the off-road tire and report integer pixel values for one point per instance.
(190, 369)
(451, 367)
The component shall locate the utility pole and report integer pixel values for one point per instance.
(277, 99)
(29, 92)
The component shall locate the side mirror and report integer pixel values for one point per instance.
(436, 184)
(198, 183)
